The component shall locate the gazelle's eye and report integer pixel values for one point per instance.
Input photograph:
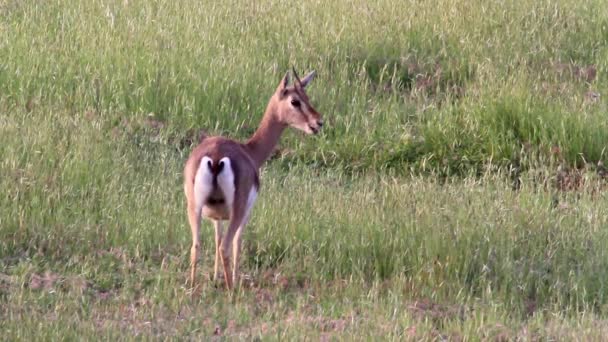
(295, 103)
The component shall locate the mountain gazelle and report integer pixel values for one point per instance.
(221, 176)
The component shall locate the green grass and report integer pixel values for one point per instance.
(399, 220)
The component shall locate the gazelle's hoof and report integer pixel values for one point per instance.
(194, 291)
(218, 283)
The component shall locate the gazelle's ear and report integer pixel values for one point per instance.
(306, 80)
(284, 82)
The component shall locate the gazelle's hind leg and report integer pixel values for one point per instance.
(235, 222)
(218, 242)
(236, 252)
(236, 247)
(194, 217)
(233, 238)
(196, 192)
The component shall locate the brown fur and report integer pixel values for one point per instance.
(246, 159)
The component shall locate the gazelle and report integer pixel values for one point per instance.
(221, 177)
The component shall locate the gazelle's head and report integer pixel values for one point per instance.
(294, 108)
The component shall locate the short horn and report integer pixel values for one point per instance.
(295, 74)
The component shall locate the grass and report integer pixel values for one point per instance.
(456, 192)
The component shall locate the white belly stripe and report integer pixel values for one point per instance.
(253, 194)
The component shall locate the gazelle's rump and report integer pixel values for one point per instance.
(203, 182)
(225, 181)
(214, 188)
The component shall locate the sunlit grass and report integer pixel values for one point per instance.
(430, 207)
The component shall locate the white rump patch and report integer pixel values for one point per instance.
(203, 182)
(225, 180)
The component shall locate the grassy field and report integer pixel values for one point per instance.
(456, 192)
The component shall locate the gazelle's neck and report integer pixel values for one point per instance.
(262, 143)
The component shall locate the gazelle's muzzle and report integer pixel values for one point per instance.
(315, 126)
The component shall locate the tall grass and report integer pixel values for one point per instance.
(390, 72)
(400, 219)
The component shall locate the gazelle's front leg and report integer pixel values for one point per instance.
(218, 242)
